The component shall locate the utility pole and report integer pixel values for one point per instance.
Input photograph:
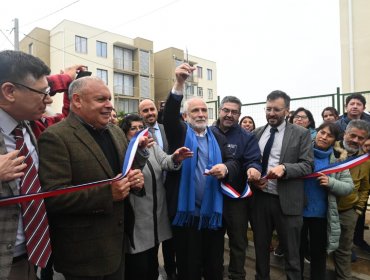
(16, 35)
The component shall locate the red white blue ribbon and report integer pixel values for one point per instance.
(332, 168)
(129, 158)
(340, 166)
(229, 191)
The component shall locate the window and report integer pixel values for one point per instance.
(80, 44)
(101, 49)
(210, 93)
(200, 72)
(191, 89)
(123, 84)
(102, 74)
(30, 48)
(200, 91)
(144, 62)
(209, 74)
(144, 87)
(126, 105)
(123, 58)
(210, 113)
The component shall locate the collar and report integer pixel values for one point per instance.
(279, 128)
(87, 125)
(156, 126)
(7, 123)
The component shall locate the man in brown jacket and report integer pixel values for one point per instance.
(87, 226)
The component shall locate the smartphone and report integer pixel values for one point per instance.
(81, 74)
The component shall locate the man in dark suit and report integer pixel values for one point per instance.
(24, 94)
(87, 227)
(148, 111)
(198, 238)
(279, 200)
(244, 147)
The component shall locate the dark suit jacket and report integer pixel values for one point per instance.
(297, 156)
(9, 216)
(164, 138)
(175, 129)
(86, 226)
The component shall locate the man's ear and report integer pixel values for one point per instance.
(7, 92)
(76, 100)
(184, 115)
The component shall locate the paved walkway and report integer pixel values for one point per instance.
(360, 269)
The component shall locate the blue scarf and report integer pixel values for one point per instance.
(212, 202)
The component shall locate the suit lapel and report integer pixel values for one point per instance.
(164, 138)
(286, 141)
(121, 146)
(87, 140)
(259, 132)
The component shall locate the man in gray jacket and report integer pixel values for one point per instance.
(278, 203)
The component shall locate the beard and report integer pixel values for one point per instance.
(349, 149)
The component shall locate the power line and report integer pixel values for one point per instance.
(7, 38)
(52, 13)
(80, 57)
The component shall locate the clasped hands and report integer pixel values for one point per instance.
(276, 172)
(133, 180)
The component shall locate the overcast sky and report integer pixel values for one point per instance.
(258, 45)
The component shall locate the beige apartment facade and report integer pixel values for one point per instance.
(355, 45)
(203, 82)
(126, 65)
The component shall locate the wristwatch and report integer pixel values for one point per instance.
(284, 168)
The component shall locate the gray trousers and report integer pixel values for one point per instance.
(267, 216)
(342, 256)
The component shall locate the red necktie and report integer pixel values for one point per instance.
(35, 222)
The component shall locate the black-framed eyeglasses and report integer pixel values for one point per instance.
(228, 111)
(296, 117)
(45, 93)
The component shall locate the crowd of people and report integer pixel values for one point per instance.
(188, 186)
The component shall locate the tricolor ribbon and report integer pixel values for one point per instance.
(340, 166)
(332, 168)
(129, 158)
(229, 191)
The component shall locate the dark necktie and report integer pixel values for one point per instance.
(267, 150)
(35, 223)
(152, 131)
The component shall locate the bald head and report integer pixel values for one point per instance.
(148, 111)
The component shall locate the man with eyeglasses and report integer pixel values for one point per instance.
(24, 96)
(279, 195)
(244, 147)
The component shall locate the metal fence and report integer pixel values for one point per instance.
(313, 103)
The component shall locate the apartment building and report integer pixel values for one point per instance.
(202, 83)
(355, 45)
(126, 65)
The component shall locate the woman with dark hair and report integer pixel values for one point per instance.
(320, 215)
(304, 117)
(329, 114)
(247, 123)
(151, 225)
